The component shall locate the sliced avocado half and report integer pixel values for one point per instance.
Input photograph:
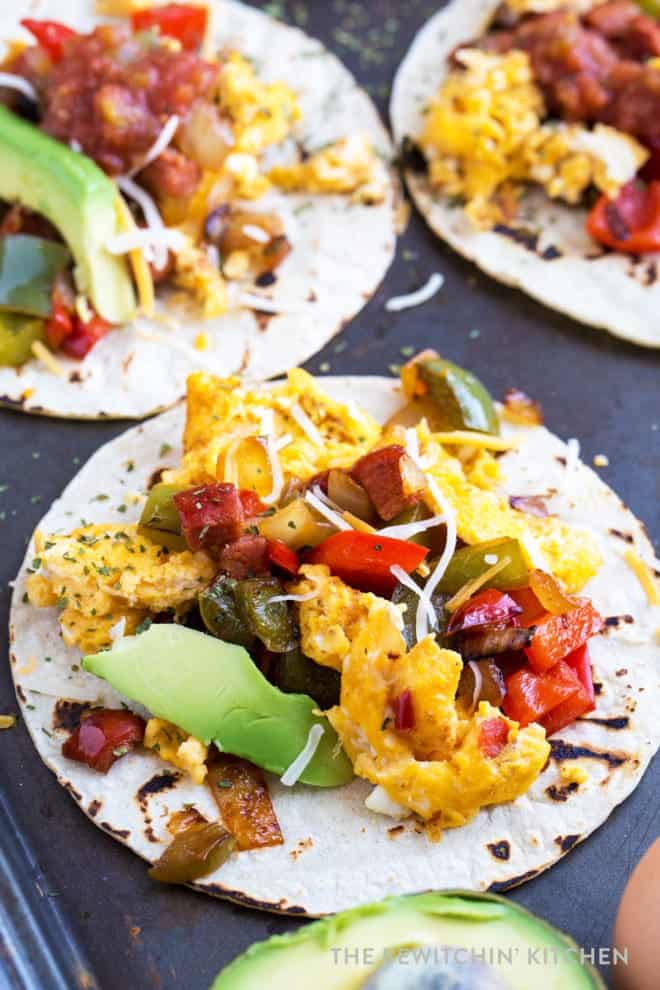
(506, 947)
(214, 691)
(79, 199)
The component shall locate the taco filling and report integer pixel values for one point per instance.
(136, 159)
(322, 595)
(559, 95)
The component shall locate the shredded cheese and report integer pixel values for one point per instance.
(293, 773)
(305, 424)
(147, 239)
(476, 439)
(307, 597)
(450, 538)
(425, 618)
(469, 589)
(644, 575)
(434, 284)
(572, 454)
(9, 81)
(356, 523)
(159, 145)
(312, 498)
(407, 530)
(272, 447)
(47, 358)
(117, 631)
(141, 270)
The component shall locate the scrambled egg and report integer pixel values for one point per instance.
(224, 418)
(484, 139)
(348, 166)
(99, 575)
(177, 747)
(437, 769)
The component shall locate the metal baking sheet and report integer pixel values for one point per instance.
(78, 910)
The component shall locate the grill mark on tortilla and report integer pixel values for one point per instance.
(150, 835)
(562, 792)
(265, 280)
(395, 830)
(501, 885)
(76, 795)
(519, 235)
(566, 842)
(94, 808)
(155, 478)
(561, 751)
(412, 157)
(560, 459)
(21, 694)
(651, 273)
(628, 537)
(616, 722)
(67, 714)
(156, 785)
(280, 907)
(121, 833)
(263, 318)
(500, 850)
(598, 687)
(75, 377)
(613, 621)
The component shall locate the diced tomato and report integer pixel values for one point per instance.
(84, 336)
(59, 325)
(484, 609)
(185, 22)
(50, 35)
(252, 504)
(283, 556)
(404, 712)
(532, 610)
(558, 635)
(363, 560)
(493, 736)
(211, 516)
(629, 223)
(103, 737)
(529, 696)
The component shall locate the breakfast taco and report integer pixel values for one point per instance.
(284, 658)
(182, 188)
(530, 136)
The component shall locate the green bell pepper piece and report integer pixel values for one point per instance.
(160, 519)
(221, 614)
(294, 673)
(470, 562)
(28, 269)
(271, 622)
(461, 401)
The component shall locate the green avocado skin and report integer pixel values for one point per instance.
(325, 954)
(214, 691)
(78, 198)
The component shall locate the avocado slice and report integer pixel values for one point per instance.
(214, 691)
(72, 192)
(355, 948)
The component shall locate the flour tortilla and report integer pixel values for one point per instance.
(337, 853)
(341, 250)
(546, 252)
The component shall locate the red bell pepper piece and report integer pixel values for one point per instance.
(629, 223)
(530, 696)
(363, 560)
(578, 704)
(283, 556)
(252, 504)
(59, 325)
(184, 22)
(493, 736)
(84, 336)
(404, 712)
(103, 737)
(50, 35)
(558, 635)
(484, 609)
(532, 610)
(211, 516)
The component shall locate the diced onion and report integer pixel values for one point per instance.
(305, 424)
(272, 447)
(425, 618)
(118, 630)
(159, 145)
(256, 233)
(407, 530)
(434, 284)
(9, 81)
(145, 237)
(381, 803)
(293, 773)
(324, 510)
(412, 445)
(572, 454)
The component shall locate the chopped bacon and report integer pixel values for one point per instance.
(103, 737)
(241, 793)
(390, 479)
(211, 516)
(404, 712)
(245, 557)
